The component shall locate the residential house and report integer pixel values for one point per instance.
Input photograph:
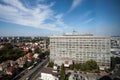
(10, 70)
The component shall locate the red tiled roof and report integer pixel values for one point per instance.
(11, 69)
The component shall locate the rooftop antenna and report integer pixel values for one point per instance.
(74, 32)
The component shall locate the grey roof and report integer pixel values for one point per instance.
(49, 71)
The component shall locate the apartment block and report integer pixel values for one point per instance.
(80, 48)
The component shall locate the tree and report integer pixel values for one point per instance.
(8, 52)
(8, 46)
(28, 64)
(83, 67)
(51, 64)
(6, 77)
(41, 55)
(105, 78)
(77, 66)
(91, 65)
(37, 50)
(62, 73)
(47, 52)
(72, 67)
(29, 50)
(114, 61)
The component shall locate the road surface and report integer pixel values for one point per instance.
(31, 73)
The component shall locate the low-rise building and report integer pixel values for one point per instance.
(36, 55)
(5, 65)
(10, 70)
(21, 61)
(49, 74)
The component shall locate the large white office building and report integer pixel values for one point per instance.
(80, 48)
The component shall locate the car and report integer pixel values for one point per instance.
(30, 67)
(27, 78)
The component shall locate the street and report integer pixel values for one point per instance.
(29, 74)
(33, 76)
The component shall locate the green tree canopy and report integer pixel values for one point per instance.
(62, 73)
(51, 64)
(88, 65)
(8, 52)
(114, 61)
(91, 64)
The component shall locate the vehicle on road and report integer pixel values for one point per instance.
(27, 78)
(30, 67)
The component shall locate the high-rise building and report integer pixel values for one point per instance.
(79, 49)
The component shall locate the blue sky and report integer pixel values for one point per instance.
(55, 17)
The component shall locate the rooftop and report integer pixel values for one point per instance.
(76, 34)
(49, 71)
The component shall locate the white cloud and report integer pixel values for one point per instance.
(86, 14)
(88, 20)
(16, 4)
(16, 12)
(59, 16)
(75, 3)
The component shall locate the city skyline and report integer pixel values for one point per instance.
(48, 17)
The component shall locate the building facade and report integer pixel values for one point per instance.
(80, 48)
(115, 46)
